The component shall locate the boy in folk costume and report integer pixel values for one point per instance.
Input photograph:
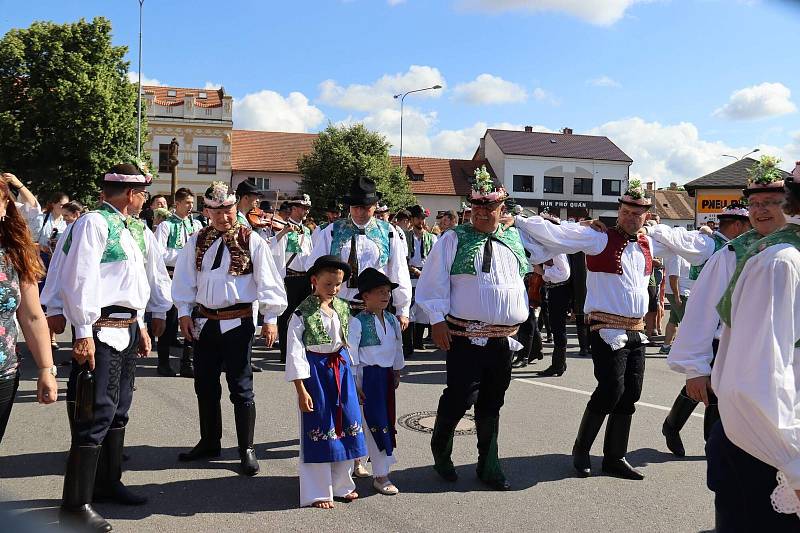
(319, 364)
(375, 342)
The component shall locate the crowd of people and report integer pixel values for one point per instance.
(349, 300)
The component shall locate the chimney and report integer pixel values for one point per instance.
(529, 129)
(651, 185)
(673, 186)
(567, 131)
(796, 171)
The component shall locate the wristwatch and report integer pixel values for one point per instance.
(53, 370)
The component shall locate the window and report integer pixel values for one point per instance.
(172, 92)
(523, 183)
(261, 183)
(612, 187)
(163, 158)
(206, 159)
(554, 185)
(583, 186)
(202, 95)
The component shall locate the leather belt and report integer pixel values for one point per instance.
(290, 273)
(106, 321)
(227, 313)
(475, 328)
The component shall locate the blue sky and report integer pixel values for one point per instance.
(675, 83)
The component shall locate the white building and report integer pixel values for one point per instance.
(573, 176)
(201, 120)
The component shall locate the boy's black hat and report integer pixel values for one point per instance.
(371, 278)
(329, 261)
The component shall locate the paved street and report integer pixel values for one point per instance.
(538, 426)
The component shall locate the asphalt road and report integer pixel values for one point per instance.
(538, 426)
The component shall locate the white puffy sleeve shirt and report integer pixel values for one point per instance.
(497, 297)
(217, 289)
(388, 354)
(692, 351)
(693, 246)
(559, 271)
(297, 366)
(281, 256)
(757, 370)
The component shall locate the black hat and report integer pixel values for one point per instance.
(248, 186)
(371, 278)
(362, 192)
(266, 206)
(333, 207)
(402, 214)
(302, 200)
(417, 211)
(285, 206)
(329, 261)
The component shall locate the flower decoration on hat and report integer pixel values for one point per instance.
(382, 208)
(484, 189)
(634, 194)
(218, 195)
(765, 171)
(734, 210)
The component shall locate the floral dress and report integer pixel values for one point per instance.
(9, 302)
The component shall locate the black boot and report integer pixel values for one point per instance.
(108, 481)
(419, 335)
(559, 364)
(536, 348)
(76, 511)
(582, 329)
(71, 418)
(710, 418)
(442, 448)
(520, 359)
(210, 431)
(681, 411)
(618, 430)
(187, 368)
(164, 368)
(489, 470)
(587, 432)
(408, 341)
(245, 415)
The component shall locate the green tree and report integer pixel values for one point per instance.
(342, 153)
(68, 111)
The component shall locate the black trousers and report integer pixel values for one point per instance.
(525, 335)
(558, 302)
(166, 340)
(233, 348)
(619, 375)
(742, 486)
(476, 375)
(8, 390)
(297, 289)
(114, 375)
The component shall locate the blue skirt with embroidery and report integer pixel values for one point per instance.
(332, 432)
(379, 410)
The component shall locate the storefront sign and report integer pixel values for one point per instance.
(569, 204)
(710, 203)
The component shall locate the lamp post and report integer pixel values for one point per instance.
(402, 98)
(742, 157)
(139, 92)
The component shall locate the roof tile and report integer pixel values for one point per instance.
(269, 151)
(534, 143)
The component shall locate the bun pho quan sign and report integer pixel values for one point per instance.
(710, 202)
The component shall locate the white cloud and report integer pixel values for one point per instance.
(212, 85)
(604, 81)
(673, 152)
(395, 2)
(759, 101)
(133, 77)
(541, 95)
(268, 110)
(488, 89)
(379, 95)
(601, 13)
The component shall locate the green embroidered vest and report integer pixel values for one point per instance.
(427, 243)
(740, 244)
(789, 234)
(176, 239)
(116, 223)
(309, 311)
(378, 231)
(470, 241)
(369, 332)
(293, 240)
(719, 243)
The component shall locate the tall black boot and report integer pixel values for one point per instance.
(419, 334)
(681, 411)
(618, 430)
(108, 481)
(489, 470)
(444, 431)
(587, 432)
(582, 330)
(187, 367)
(245, 415)
(71, 418)
(559, 363)
(408, 341)
(536, 348)
(76, 510)
(209, 446)
(164, 368)
(710, 418)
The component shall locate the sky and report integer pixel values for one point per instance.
(674, 83)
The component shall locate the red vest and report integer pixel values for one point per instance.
(610, 259)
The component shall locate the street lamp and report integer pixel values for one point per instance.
(139, 92)
(742, 157)
(402, 97)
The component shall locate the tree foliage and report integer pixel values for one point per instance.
(342, 153)
(68, 111)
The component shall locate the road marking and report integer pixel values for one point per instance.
(586, 393)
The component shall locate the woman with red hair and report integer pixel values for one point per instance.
(20, 271)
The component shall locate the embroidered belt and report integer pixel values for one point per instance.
(227, 313)
(598, 321)
(474, 328)
(554, 285)
(106, 321)
(294, 273)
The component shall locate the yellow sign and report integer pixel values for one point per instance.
(715, 202)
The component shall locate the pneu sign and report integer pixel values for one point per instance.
(711, 203)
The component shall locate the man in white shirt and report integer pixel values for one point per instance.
(677, 291)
